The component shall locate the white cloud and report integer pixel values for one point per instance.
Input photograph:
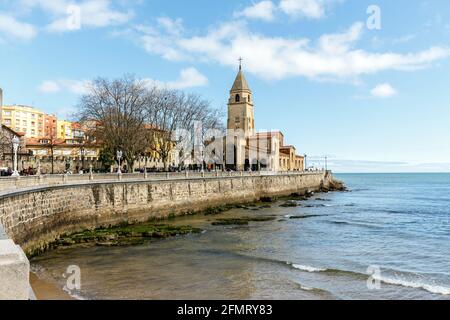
(49, 87)
(92, 13)
(188, 78)
(79, 87)
(263, 10)
(173, 27)
(11, 28)
(266, 9)
(314, 9)
(384, 90)
(331, 56)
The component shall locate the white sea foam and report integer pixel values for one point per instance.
(76, 296)
(436, 289)
(307, 268)
(306, 288)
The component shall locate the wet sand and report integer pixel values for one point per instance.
(45, 290)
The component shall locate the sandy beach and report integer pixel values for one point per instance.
(45, 290)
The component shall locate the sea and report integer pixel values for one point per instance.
(388, 237)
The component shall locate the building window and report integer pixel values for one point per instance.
(249, 98)
(238, 98)
(7, 122)
(7, 113)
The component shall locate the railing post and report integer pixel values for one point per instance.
(119, 176)
(167, 175)
(16, 181)
(145, 174)
(65, 178)
(91, 172)
(187, 174)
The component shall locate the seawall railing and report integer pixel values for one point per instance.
(8, 184)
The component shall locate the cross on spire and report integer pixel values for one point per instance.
(240, 63)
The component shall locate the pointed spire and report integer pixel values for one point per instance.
(240, 83)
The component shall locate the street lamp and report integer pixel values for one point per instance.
(15, 144)
(306, 164)
(119, 156)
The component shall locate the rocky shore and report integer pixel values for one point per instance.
(127, 233)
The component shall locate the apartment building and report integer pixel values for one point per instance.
(24, 119)
(64, 129)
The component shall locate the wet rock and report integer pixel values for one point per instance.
(289, 204)
(125, 234)
(337, 185)
(306, 216)
(216, 210)
(321, 199)
(228, 222)
(309, 194)
(242, 221)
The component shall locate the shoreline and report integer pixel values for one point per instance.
(46, 290)
(51, 290)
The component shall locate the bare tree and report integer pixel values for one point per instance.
(169, 111)
(117, 109)
(125, 114)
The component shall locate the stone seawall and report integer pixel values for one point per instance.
(35, 217)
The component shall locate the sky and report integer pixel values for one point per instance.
(365, 83)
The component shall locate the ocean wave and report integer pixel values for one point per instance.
(432, 199)
(359, 189)
(432, 288)
(339, 222)
(357, 224)
(321, 205)
(394, 211)
(306, 268)
(327, 271)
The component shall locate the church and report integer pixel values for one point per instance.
(247, 149)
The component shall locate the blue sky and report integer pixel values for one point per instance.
(370, 99)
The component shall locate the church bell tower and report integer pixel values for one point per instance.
(240, 105)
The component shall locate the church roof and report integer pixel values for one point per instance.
(240, 83)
